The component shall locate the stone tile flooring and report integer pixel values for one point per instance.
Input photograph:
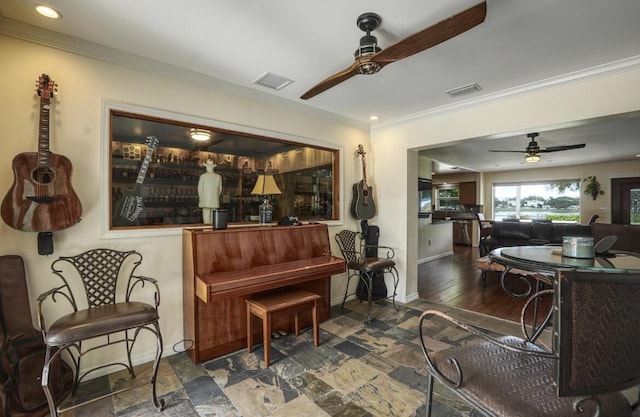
(359, 370)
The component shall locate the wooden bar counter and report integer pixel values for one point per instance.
(221, 268)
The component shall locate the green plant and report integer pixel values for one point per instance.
(593, 187)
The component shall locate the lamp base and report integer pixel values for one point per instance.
(265, 213)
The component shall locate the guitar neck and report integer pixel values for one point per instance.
(364, 170)
(43, 134)
(145, 165)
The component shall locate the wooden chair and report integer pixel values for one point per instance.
(110, 316)
(354, 251)
(593, 356)
(485, 228)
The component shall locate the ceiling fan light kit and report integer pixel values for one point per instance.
(368, 43)
(533, 157)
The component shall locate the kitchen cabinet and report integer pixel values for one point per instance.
(462, 232)
(467, 193)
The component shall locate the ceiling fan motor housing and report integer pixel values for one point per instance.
(368, 43)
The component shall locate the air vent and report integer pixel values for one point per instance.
(464, 90)
(274, 81)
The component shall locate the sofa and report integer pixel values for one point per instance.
(540, 233)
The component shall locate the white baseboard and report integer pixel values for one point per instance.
(434, 257)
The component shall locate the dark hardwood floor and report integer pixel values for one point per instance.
(455, 281)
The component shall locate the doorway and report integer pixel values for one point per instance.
(625, 200)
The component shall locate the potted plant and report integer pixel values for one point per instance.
(593, 187)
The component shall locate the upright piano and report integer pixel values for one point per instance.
(221, 268)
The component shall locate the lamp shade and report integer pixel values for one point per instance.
(266, 185)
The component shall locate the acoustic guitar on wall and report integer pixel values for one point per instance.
(362, 206)
(41, 198)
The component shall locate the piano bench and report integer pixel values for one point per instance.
(263, 306)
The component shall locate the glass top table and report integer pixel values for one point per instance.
(549, 258)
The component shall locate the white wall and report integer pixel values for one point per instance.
(395, 144)
(76, 128)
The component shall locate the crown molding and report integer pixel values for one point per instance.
(605, 70)
(66, 43)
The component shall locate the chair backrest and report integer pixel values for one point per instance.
(596, 331)
(348, 242)
(480, 217)
(99, 270)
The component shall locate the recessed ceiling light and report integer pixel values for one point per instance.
(373, 118)
(49, 12)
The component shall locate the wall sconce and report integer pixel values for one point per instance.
(266, 186)
(200, 134)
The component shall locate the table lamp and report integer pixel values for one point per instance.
(266, 186)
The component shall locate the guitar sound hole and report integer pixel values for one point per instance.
(43, 175)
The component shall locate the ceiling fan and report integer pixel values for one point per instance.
(370, 58)
(533, 150)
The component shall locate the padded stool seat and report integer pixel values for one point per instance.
(263, 306)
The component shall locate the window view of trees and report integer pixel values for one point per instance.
(555, 201)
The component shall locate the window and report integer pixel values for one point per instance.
(448, 197)
(555, 201)
(160, 163)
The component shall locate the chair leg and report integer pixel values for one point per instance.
(396, 281)
(129, 346)
(159, 404)
(369, 291)
(346, 290)
(53, 409)
(429, 402)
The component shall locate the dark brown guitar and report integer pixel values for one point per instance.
(362, 205)
(41, 198)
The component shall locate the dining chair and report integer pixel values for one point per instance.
(484, 228)
(364, 267)
(592, 357)
(98, 286)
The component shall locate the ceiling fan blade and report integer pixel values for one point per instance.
(494, 150)
(562, 148)
(332, 81)
(433, 35)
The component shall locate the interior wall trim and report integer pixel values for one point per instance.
(623, 65)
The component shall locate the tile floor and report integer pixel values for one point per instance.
(359, 370)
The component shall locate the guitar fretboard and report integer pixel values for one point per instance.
(43, 134)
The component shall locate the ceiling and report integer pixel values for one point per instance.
(520, 44)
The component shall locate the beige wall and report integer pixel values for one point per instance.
(76, 130)
(397, 143)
